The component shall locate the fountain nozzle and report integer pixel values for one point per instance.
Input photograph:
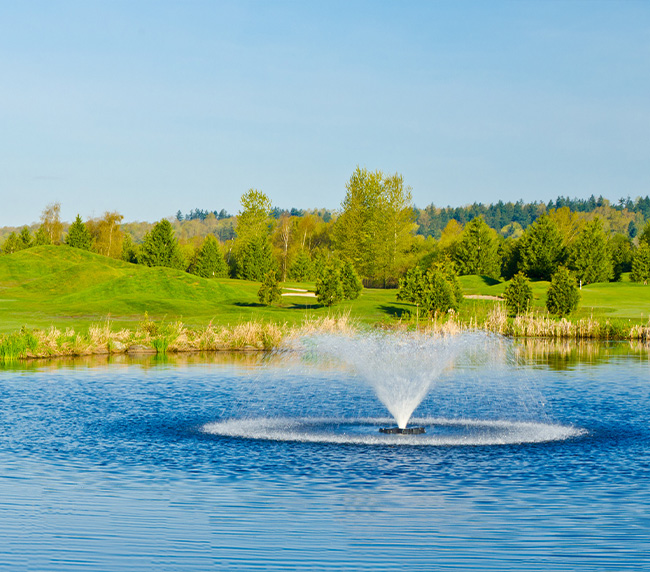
(404, 431)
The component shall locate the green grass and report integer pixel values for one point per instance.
(623, 300)
(67, 287)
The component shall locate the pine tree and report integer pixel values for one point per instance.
(437, 291)
(329, 290)
(477, 250)
(270, 291)
(302, 268)
(641, 264)
(350, 281)
(209, 261)
(563, 295)
(541, 249)
(11, 244)
(589, 256)
(518, 294)
(25, 237)
(255, 259)
(160, 247)
(78, 235)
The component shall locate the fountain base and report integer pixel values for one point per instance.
(400, 431)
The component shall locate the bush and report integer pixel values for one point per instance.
(563, 294)
(329, 289)
(518, 295)
(270, 291)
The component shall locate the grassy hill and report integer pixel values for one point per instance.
(70, 287)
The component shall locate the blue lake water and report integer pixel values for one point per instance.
(277, 464)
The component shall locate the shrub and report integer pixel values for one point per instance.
(518, 295)
(563, 294)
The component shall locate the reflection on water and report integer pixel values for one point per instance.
(562, 354)
(145, 360)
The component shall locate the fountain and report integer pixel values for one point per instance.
(401, 369)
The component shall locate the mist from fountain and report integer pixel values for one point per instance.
(401, 369)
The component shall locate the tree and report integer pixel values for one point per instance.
(160, 247)
(25, 237)
(641, 264)
(350, 281)
(284, 232)
(255, 259)
(12, 244)
(476, 252)
(209, 262)
(589, 256)
(130, 251)
(563, 295)
(270, 291)
(107, 235)
(51, 222)
(541, 249)
(620, 250)
(42, 237)
(253, 252)
(518, 294)
(329, 289)
(302, 267)
(376, 226)
(645, 234)
(437, 291)
(78, 235)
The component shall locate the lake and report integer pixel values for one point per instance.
(535, 458)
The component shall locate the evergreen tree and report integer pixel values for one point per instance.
(518, 294)
(25, 237)
(589, 256)
(476, 252)
(563, 295)
(620, 249)
(78, 235)
(302, 267)
(255, 259)
(42, 237)
(645, 234)
(329, 289)
(437, 291)
(129, 250)
(12, 244)
(160, 247)
(350, 281)
(270, 291)
(641, 264)
(209, 261)
(540, 249)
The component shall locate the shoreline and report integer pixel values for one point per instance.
(153, 338)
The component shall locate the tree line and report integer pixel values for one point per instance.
(377, 237)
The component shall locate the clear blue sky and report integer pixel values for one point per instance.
(148, 107)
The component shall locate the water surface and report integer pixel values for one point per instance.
(113, 467)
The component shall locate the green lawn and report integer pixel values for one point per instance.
(621, 300)
(68, 287)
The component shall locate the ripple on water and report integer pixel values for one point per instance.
(439, 431)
